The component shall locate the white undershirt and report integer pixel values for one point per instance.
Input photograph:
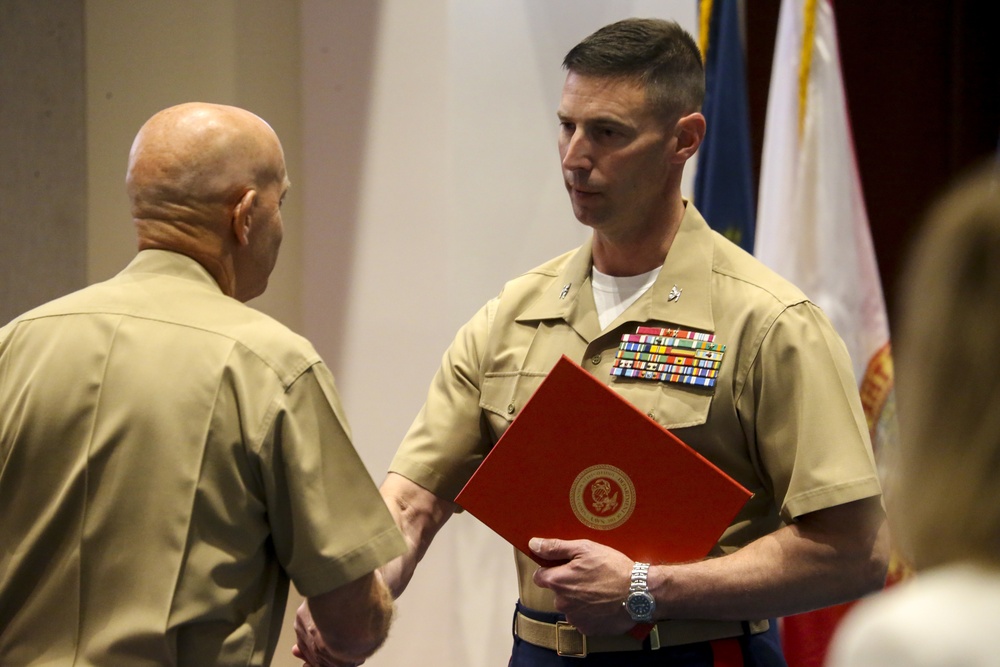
(614, 294)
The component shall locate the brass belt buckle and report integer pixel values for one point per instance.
(654, 638)
(561, 625)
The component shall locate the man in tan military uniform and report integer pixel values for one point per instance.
(784, 417)
(169, 457)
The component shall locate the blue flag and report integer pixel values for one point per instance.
(723, 186)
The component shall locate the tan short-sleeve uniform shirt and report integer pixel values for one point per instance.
(169, 458)
(785, 418)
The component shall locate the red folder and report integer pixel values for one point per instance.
(582, 462)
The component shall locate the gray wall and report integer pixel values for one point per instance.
(43, 168)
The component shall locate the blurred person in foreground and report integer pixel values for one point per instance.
(943, 489)
(169, 457)
(784, 417)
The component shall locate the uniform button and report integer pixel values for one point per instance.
(510, 409)
(596, 359)
(650, 415)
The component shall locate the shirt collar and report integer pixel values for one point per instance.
(174, 264)
(688, 267)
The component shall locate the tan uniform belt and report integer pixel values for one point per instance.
(566, 640)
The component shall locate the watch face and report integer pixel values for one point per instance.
(640, 605)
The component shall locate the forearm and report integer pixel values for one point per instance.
(800, 567)
(419, 514)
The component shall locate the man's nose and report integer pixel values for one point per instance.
(577, 152)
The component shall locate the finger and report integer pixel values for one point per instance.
(540, 577)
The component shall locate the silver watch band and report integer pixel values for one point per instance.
(640, 573)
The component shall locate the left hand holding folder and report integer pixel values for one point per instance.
(590, 588)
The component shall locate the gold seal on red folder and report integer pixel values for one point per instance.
(602, 497)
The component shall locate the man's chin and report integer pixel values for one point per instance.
(586, 217)
(252, 292)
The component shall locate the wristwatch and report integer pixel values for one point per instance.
(640, 603)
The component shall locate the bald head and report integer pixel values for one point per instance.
(206, 180)
(191, 158)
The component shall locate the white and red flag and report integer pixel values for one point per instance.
(812, 228)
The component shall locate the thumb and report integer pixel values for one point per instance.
(553, 549)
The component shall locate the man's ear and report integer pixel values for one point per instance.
(690, 131)
(241, 217)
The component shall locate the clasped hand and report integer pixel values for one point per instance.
(310, 647)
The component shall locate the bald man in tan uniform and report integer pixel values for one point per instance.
(169, 457)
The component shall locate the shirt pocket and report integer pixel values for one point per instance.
(671, 406)
(503, 395)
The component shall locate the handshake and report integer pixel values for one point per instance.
(330, 629)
